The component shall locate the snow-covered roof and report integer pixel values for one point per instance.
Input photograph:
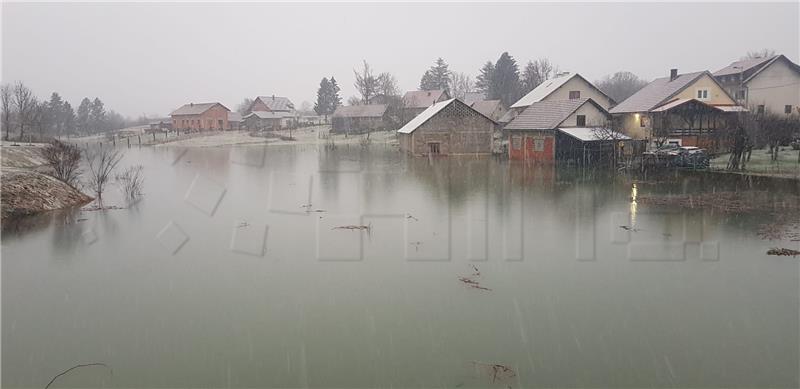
(424, 116)
(592, 134)
(543, 90)
(269, 114)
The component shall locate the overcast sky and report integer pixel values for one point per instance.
(151, 58)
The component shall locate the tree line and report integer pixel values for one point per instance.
(496, 80)
(25, 114)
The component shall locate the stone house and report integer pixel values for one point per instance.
(448, 127)
(200, 116)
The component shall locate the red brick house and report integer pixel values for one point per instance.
(200, 116)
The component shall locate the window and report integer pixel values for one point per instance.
(538, 144)
(642, 121)
(434, 148)
(581, 120)
(740, 94)
(516, 142)
(760, 109)
(787, 109)
(574, 94)
(702, 94)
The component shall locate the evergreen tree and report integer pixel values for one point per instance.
(55, 113)
(336, 100)
(437, 77)
(97, 115)
(483, 82)
(69, 120)
(82, 119)
(324, 101)
(505, 81)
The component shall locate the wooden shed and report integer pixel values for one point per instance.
(448, 127)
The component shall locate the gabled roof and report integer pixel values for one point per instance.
(486, 107)
(547, 87)
(195, 108)
(430, 112)
(679, 102)
(774, 59)
(743, 66)
(422, 98)
(547, 115)
(276, 103)
(658, 92)
(360, 111)
(269, 115)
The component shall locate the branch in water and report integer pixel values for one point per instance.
(76, 367)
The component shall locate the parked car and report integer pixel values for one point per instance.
(692, 157)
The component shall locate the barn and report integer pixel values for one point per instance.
(359, 118)
(448, 127)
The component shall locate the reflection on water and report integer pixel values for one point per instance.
(268, 289)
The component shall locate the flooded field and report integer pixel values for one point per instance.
(297, 266)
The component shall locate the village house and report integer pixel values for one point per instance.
(683, 109)
(200, 116)
(271, 104)
(493, 109)
(533, 133)
(359, 118)
(268, 120)
(564, 86)
(414, 102)
(471, 97)
(770, 84)
(448, 127)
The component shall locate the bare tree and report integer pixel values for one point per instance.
(460, 84)
(131, 181)
(386, 85)
(102, 163)
(537, 72)
(25, 102)
(620, 85)
(763, 53)
(366, 83)
(64, 159)
(354, 100)
(7, 105)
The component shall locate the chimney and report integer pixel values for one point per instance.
(673, 74)
(273, 97)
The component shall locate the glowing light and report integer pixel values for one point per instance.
(634, 194)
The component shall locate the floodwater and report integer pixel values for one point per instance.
(231, 272)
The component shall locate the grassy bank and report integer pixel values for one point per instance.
(786, 166)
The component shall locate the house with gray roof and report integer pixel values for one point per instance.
(532, 134)
(414, 102)
(269, 120)
(679, 108)
(272, 104)
(494, 109)
(768, 84)
(359, 118)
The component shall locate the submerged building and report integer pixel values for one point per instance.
(448, 127)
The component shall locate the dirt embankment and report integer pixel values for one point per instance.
(26, 191)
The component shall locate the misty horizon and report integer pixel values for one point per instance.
(149, 59)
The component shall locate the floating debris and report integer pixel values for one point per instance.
(471, 282)
(783, 252)
(93, 208)
(354, 227)
(495, 371)
(629, 228)
(410, 216)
